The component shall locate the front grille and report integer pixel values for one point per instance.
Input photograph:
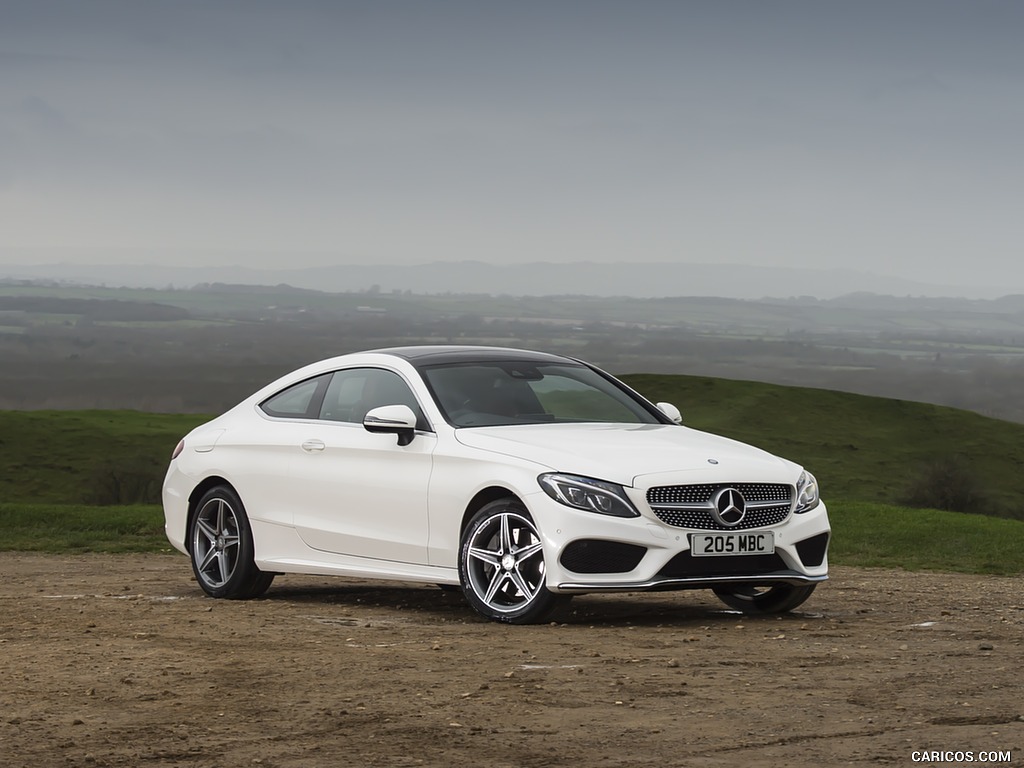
(690, 506)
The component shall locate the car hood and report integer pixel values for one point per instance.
(630, 454)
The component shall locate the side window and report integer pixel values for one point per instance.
(299, 401)
(355, 391)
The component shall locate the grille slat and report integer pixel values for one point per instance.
(776, 498)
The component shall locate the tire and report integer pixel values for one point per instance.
(221, 548)
(501, 565)
(764, 600)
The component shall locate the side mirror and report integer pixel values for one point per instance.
(672, 412)
(392, 419)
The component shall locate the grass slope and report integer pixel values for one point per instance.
(86, 457)
(60, 528)
(880, 535)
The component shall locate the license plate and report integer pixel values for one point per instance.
(745, 543)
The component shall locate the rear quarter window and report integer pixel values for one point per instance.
(299, 401)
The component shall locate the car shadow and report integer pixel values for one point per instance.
(429, 604)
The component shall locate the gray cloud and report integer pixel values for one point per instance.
(796, 133)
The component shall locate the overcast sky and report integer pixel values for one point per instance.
(883, 135)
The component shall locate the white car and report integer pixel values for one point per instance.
(521, 477)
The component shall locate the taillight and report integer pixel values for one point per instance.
(178, 449)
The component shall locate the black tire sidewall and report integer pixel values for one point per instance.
(778, 599)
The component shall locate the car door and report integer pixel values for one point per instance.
(355, 492)
(256, 455)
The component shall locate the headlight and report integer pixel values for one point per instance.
(806, 493)
(588, 494)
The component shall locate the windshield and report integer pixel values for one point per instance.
(495, 393)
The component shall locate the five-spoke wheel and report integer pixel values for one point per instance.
(221, 548)
(501, 565)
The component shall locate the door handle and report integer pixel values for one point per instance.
(313, 446)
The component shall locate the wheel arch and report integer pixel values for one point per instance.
(197, 493)
(484, 497)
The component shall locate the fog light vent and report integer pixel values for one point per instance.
(812, 550)
(597, 556)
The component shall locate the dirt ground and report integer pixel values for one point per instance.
(119, 660)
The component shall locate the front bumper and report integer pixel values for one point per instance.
(646, 554)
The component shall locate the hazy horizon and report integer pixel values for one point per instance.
(874, 136)
(615, 279)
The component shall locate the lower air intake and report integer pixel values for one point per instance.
(596, 556)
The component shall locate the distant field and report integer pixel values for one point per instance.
(67, 346)
(921, 318)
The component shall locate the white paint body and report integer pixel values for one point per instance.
(325, 497)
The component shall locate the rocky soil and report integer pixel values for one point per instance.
(120, 661)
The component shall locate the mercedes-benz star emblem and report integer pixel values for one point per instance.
(730, 507)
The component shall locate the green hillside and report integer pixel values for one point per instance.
(87, 457)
